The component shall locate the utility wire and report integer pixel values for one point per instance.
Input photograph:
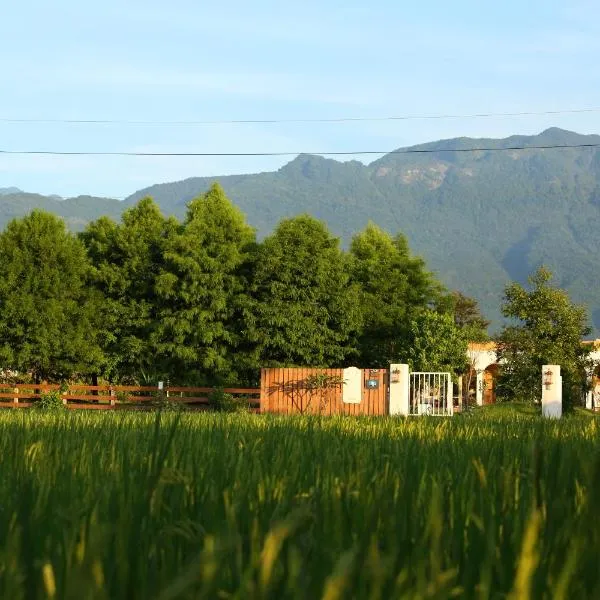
(344, 153)
(275, 121)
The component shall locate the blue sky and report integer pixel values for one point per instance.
(197, 60)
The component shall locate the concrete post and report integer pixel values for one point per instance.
(399, 382)
(450, 397)
(551, 392)
(479, 388)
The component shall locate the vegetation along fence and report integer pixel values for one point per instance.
(118, 397)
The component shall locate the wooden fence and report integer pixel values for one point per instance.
(118, 397)
(290, 391)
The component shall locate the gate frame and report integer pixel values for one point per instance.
(445, 394)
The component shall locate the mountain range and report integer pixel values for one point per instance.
(482, 215)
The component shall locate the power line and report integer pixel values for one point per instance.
(277, 121)
(338, 153)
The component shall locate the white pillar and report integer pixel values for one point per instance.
(479, 388)
(450, 396)
(399, 382)
(589, 395)
(551, 392)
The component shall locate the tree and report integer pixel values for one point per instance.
(548, 330)
(48, 317)
(394, 288)
(127, 258)
(435, 343)
(468, 317)
(201, 289)
(305, 309)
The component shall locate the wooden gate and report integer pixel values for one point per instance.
(321, 391)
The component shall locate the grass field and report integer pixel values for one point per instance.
(492, 504)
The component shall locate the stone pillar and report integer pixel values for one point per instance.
(460, 393)
(450, 397)
(399, 385)
(551, 392)
(479, 388)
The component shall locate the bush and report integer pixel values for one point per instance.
(221, 401)
(50, 401)
(162, 402)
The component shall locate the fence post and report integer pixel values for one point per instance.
(551, 392)
(399, 390)
(112, 395)
(16, 398)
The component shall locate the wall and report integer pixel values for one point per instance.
(286, 391)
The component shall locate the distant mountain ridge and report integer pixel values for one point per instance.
(479, 218)
(10, 190)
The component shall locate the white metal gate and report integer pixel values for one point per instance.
(430, 394)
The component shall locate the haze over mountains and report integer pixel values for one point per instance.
(479, 218)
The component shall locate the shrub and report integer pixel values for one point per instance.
(222, 401)
(51, 400)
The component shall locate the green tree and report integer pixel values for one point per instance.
(394, 288)
(549, 329)
(468, 317)
(305, 309)
(127, 258)
(48, 317)
(202, 292)
(435, 343)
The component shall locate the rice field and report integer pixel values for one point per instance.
(127, 506)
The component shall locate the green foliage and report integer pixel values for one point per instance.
(201, 292)
(203, 506)
(48, 316)
(393, 287)
(435, 343)
(468, 317)
(473, 216)
(221, 401)
(305, 310)
(127, 258)
(50, 400)
(548, 330)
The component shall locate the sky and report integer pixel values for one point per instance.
(192, 60)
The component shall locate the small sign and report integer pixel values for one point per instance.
(160, 385)
(372, 384)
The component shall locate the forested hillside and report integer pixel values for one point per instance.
(479, 218)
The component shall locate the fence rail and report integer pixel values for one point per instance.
(118, 397)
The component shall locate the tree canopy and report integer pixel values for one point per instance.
(200, 301)
(48, 313)
(547, 328)
(305, 308)
(200, 291)
(394, 287)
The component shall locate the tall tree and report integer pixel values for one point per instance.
(202, 292)
(48, 323)
(306, 310)
(394, 287)
(127, 259)
(468, 317)
(548, 329)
